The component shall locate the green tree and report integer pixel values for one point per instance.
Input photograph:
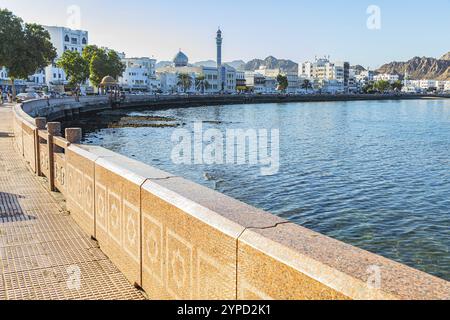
(102, 64)
(306, 85)
(397, 86)
(88, 52)
(184, 81)
(25, 48)
(75, 67)
(369, 88)
(115, 65)
(201, 83)
(282, 82)
(382, 86)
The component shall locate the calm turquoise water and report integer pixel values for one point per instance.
(372, 174)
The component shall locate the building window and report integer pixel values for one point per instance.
(66, 39)
(84, 41)
(74, 41)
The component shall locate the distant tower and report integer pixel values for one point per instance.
(219, 40)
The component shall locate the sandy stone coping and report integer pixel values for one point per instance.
(331, 263)
(339, 266)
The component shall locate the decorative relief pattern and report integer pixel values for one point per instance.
(179, 256)
(114, 217)
(79, 189)
(60, 172)
(88, 203)
(152, 248)
(44, 160)
(131, 229)
(175, 263)
(101, 206)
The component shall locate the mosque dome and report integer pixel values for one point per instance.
(181, 60)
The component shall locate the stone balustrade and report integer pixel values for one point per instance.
(179, 240)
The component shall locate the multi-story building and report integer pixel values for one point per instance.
(229, 79)
(63, 39)
(364, 77)
(323, 70)
(256, 82)
(293, 82)
(386, 77)
(241, 84)
(139, 74)
(271, 77)
(428, 84)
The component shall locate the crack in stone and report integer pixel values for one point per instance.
(166, 178)
(266, 228)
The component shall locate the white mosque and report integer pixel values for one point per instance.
(219, 79)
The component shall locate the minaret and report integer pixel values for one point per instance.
(219, 40)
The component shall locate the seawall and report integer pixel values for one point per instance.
(68, 107)
(179, 240)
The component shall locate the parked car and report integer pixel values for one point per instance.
(21, 97)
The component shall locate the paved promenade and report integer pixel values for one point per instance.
(43, 253)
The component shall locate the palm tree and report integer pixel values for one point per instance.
(201, 83)
(184, 81)
(306, 85)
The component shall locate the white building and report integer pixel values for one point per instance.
(331, 86)
(323, 71)
(428, 84)
(229, 75)
(139, 74)
(364, 77)
(447, 86)
(63, 39)
(423, 86)
(241, 84)
(293, 82)
(256, 82)
(386, 77)
(38, 79)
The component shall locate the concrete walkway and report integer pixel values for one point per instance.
(43, 253)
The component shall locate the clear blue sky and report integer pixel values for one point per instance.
(293, 29)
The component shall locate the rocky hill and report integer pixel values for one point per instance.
(272, 63)
(420, 68)
(445, 56)
(358, 68)
(237, 64)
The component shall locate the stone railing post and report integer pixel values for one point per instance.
(40, 125)
(54, 130)
(74, 135)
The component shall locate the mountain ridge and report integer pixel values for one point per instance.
(420, 68)
(272, 63)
